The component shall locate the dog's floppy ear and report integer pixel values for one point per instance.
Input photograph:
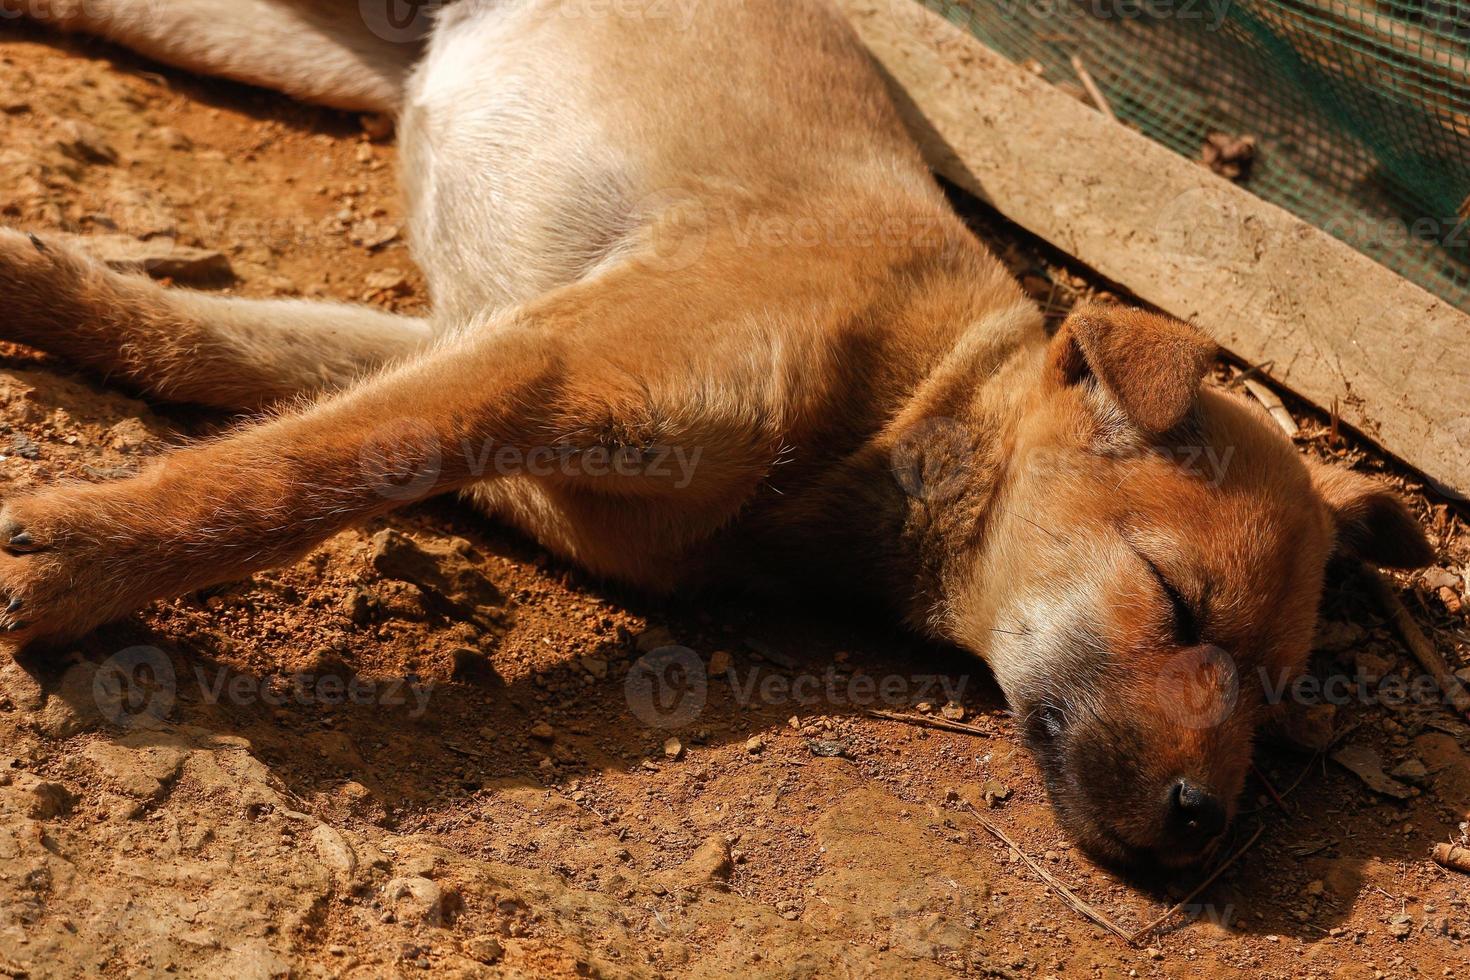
(1372, 522)
(1152, 365)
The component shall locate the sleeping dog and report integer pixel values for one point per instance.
(710, 239)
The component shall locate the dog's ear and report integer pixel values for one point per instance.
(1151, 365)
(1371, 521)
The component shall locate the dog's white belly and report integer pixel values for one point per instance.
(513, 187)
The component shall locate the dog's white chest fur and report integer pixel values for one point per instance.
(515, 186)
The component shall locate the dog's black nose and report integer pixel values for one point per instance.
(1195, 815)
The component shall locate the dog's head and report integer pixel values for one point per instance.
(1154, 568)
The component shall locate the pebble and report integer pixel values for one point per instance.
(543, 731)
(85, 143)
(654, 638)
(709, 864)
(754, 744)
(719, 663)
(485, 949)
(953, 711)
(673, 748)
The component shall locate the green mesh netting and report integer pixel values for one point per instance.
(1360, 109)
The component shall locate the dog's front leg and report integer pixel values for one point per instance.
(73, 557)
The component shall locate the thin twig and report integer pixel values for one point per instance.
(1066, 893)
(1254, 371)
(1273, 405)
(1270, 789)
(1418, 643)
(923, 722)
(1214, 876)
(1093, 92)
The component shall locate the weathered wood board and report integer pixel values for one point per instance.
(1336, 327)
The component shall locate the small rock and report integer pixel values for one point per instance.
(85, 143)
(654, 638)
(595, 666)
(372, 234)
(36, 798)
(419, 899)
(995, 793)
(755, 744)
(334, 850)
(1441, 578)
(1316, 887)
(1363, 761)
(1228, 155)
(827, 748)
(1412, 771)
(129, 436)
(953, 711)
(1334, 636)
(485, 949)
(673, 749)
(161, 258)
(173, 139)
(390, 281)
(710, 864)
(1154, 953)
(24, 447)
(924, 707)
(543, 731)
(1401, 925)
(1308, 726)
(719, 663)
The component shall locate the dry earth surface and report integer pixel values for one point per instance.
(417, 750)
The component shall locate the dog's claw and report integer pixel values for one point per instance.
(15, 605)
(16, 627)
(22, 541)
(40, 245)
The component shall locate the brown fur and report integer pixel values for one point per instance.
(878, 413)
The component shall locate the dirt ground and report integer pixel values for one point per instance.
(428, 747)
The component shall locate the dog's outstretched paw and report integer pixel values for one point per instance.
(44, 591)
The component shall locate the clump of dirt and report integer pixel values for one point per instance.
(428, 747)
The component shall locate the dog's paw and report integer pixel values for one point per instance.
(47, 587)
(39, 279)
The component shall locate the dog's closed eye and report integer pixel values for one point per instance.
(1188, 619)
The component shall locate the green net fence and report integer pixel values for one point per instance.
(1352, 114)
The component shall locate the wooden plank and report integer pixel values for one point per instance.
(1337, 327)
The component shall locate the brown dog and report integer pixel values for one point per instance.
(701, 313)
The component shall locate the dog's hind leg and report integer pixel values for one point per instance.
(339, 53)
(185, 346)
